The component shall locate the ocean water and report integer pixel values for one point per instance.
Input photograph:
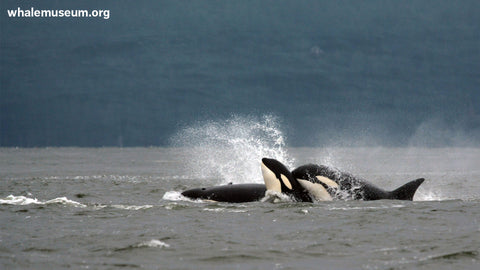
(121, 208)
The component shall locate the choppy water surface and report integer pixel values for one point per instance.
(110, 208)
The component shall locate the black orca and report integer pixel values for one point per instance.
(325, 183)
(306, 183)
(278, 178)
(237, 193)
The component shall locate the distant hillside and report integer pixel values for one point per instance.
(336, 72)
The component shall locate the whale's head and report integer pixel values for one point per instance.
(276, 176)
(279, 179)
(195, 193)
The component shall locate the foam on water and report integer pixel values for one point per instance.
(22, 200)
(174, 196)
(18, 200)
(154, 243)
(231, 150)
(349, 208)
(224, 210)
(132, 207)
(429, 195)
(276, 197)
(177, 196)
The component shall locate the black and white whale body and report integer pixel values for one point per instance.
(279, 179)
(233, 193)
(326, 183)
(276, 177)
(306, 183)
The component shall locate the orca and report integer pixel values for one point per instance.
(279, 179)
(307, 183)
(276, 177)
(232, 193)
(326, 183)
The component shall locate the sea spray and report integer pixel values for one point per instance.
(231, 150)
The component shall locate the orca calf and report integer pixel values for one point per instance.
(325, 183)
(237, 193)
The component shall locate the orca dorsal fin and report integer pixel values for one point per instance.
(407, 191)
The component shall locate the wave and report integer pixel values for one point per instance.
(153, 243)
(224, 210)
(22, 200)
(355, 208)
(132, 207)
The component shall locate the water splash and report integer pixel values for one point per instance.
(429, 195)
(174, 196)
(230, 151)
(276, 197)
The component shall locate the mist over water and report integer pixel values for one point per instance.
(436, 132)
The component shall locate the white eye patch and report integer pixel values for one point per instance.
(286, 181)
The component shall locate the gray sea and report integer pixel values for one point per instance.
(121, 208)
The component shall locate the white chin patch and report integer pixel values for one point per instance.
(271, 181)
(316, 190)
